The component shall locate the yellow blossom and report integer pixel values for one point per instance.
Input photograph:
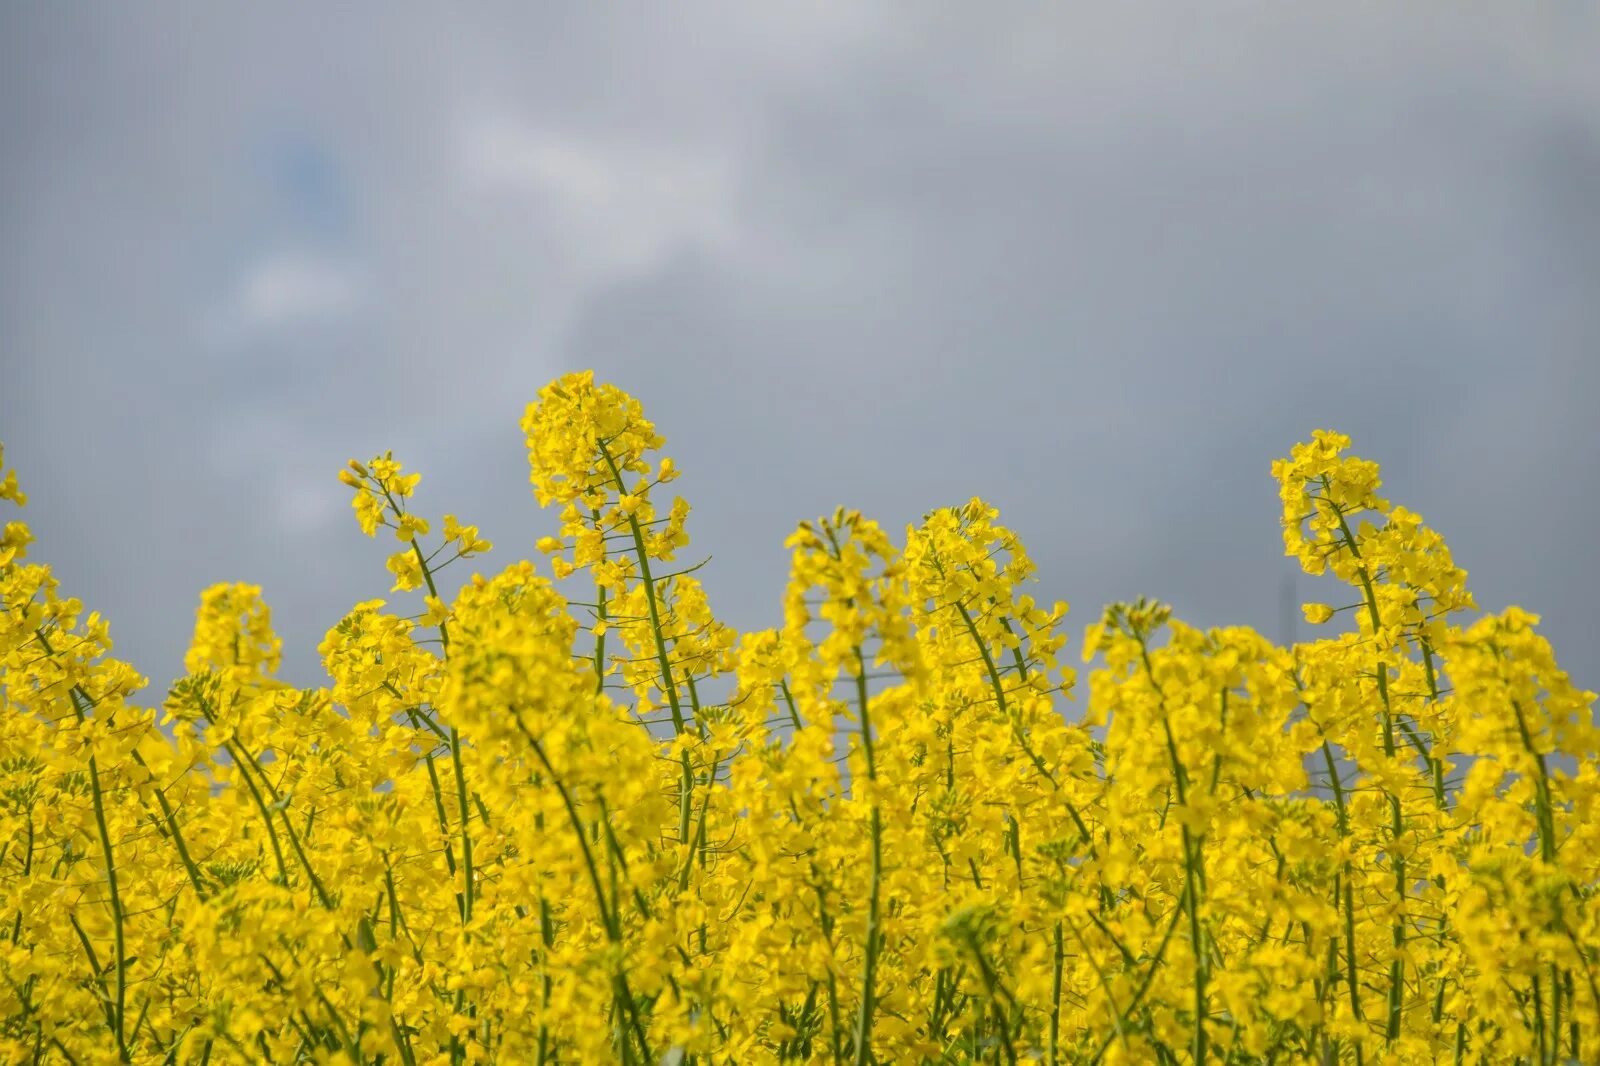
(513, 827)
(1316, 613)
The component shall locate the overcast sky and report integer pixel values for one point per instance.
(1098, 263)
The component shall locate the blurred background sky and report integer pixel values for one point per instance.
(1099, 264)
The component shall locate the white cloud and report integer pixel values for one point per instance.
(617, 207)
(305, 501)
(283, 289)
(295, 286)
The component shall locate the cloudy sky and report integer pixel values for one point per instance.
(1097, 263)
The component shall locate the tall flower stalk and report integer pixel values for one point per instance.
(563, 813)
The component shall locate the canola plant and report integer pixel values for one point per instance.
(518, 827)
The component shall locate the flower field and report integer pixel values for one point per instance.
(518, 827)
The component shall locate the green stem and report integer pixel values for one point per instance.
(468, 887)
(1396, 815)
(609, 918)
(869, 966)
(1547, 854)
(119, 919)
(1192, 861)
(1055, 1000)
(1349, 908)
(669, 688)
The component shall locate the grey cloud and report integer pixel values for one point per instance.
(1097, 266)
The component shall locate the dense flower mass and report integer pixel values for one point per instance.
(593, 824)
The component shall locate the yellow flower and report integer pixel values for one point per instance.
(406, 569)
(1316, 613)
(410, 526)
(437, 611)
(892, 829)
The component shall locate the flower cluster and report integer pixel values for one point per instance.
(577, 818)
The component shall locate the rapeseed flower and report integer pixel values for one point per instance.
(578, 818)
